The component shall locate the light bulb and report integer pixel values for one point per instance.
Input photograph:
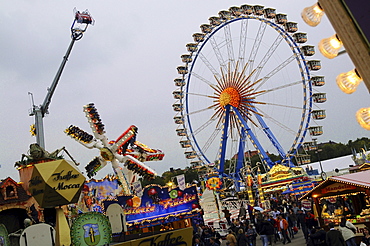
(363, 117)
(349, 81)
(312, 15)
(329, 47)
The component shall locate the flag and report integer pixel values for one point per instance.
(181, 181)
(138, 188)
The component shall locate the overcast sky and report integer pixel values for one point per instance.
(125, 64)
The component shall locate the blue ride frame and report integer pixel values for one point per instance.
(246, 131)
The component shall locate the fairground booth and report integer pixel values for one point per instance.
(283, 180)
(158, 209)
(343, 196)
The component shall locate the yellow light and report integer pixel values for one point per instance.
(170, 184)
(312, 15)
(349, 81)
(335, 43)
(317, 9)
(329, 47)
(33, 130)
(363, 117)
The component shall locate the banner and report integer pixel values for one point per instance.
(158, 205)
(181, 181)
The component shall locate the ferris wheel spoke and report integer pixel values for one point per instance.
(209, 66)
(217, 52)
(283, 106)
(232, 151)
(200, 110)
(229, 45)
(203, 79)
(268, 55)
(243, 41)
(256, 45)
(280, 87)
(198, 94)
(211, 139)
(205, 125)
(278, 123)
(277, 69)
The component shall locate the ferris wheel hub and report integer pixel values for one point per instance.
(229, 96)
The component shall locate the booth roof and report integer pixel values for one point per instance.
(360, 179)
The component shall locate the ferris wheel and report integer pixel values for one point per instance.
(246, 88)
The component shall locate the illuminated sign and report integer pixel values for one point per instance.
(337, 187)
(158, 205)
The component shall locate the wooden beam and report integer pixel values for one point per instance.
(353, 40)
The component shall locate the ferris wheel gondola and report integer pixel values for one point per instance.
(246, 84)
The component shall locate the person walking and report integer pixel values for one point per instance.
(251, 235)
(261, 230)
(334, 237)
(216, 235)
(283, 228)
(236, 227)
(230, 237)
(292, 222)
(205, 237)
(270, 230)
(310, 221)
(274, 223)
(301, 223)
(348, 231)
(227, 215)
(241, 238)
(265, 229)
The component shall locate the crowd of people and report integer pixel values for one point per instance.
(280, 225)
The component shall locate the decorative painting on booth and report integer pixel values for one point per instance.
(158, 205)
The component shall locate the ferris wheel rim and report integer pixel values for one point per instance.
(301, 61)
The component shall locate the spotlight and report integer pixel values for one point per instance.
(349, 81)
(312, 15)
(363, 117)
(329, 47)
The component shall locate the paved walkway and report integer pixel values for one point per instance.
(298, 240)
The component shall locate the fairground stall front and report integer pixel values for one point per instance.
(343, 196)
(158, 209)
(286, 182)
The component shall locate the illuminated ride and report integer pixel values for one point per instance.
(125, 149)
(245, 84)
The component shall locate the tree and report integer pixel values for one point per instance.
(157, 180)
